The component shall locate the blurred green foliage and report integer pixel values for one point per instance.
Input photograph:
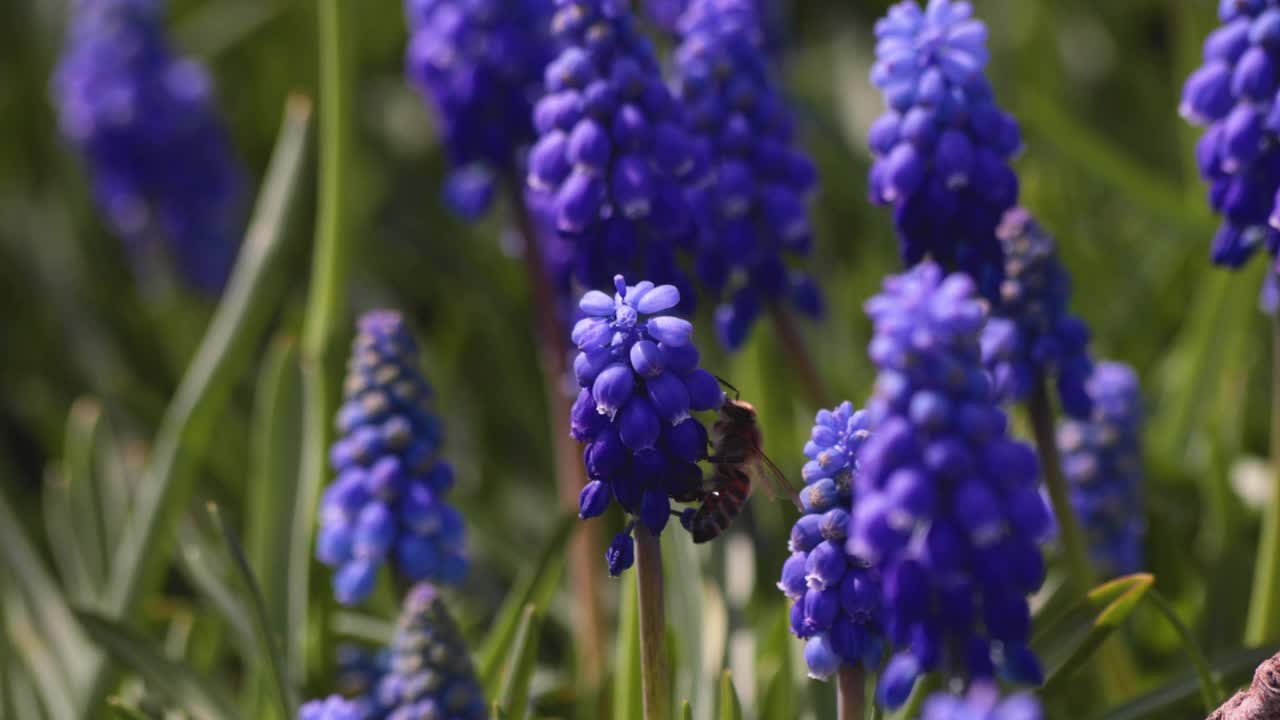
(1107, 167)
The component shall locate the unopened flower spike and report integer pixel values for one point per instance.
(145, 120)
(1233, 96)
(942, 147)
(751, 209)
(982, 702)
(638, 370)
(479, 63)
(1102, 462)
(947, 506)
(835, 595)
(1031, 333)
(612, 158)
(387, 505)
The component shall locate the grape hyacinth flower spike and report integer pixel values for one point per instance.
(835, 595)
(612, 155)
(751, 211)
(982, 702)
(942, 147)
(638, 370)
(1102, 462)
(1233, 96)
(479, 63)
(334, 707)
(430, 674)
(947, 506)
(1031, 335)
(387, 505)
(131, 106)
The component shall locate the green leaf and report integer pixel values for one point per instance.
(268, 642)
(277, 442)
(79, 452)
(498, 713)
(1230, 669)
(122, 711)
(685, 600)
(63, 546)
(686, 711)
(730, 708)
(777, 689)
(249, 302)
(1068, 641)
(536, 586)
(627, 700)
(177, 682)
(42, 665)
(514, 696)
(202, 562)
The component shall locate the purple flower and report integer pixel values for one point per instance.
(947, 506)
(479, 62)
(836, 594)
(334, 707)
(640, 380)
(1031, 334)
(1102, 461)
(387, 503)
(146, 122)
(983, 702)
(751, 208)
(612, 156)
(943, 146)
(1232, 95)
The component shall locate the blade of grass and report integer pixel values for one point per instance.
(201, 561)
(1229, 669)
(175, 681)
(79, 461)
(56, 502)
(42, 665)
(627, 702)
(1210, 692)
(730, 708)
(514, 696)
(257, 282)
(267, 640)
(684, 603)
(121, 711)
(1064, 645)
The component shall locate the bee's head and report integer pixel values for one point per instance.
(738, 409)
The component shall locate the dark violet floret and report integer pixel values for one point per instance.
(946, 505)
(145, 120)
(942, 147)
(640, 380)
(1102, 461)
(1031, 333)
(479, 63)
(431, 675)
(612, 156)
(835, 595)
(751, 207)
(982, 702)
(387, 504)
(1233, 96)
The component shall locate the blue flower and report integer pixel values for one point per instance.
(1233, 96)
(480, 64)
(983, 702)
(387, 504)
(835, 595)
(431, 672)
(947, 506)
(638, 370)
(612, 155)
(334, 707)
(131, 107)
(1102, 461)
(751, 209)
(1031, 334)
(943, 146)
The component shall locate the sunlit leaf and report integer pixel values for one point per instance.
(1069, 640)
(514, 696)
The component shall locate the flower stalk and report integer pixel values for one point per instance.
(798, 354)
(571, 474)
(1264, 605)
(1080, 573)
(654, 675)
(851, 690)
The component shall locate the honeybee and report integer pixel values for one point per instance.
(737, 455)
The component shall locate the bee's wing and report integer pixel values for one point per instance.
(775, 481)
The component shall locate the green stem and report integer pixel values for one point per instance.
(798, 355)
(1264, 606)
(1080, 574)
(1210, 692)
(571, 473)
(851, 690)
(653, 626)
(326, 316)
